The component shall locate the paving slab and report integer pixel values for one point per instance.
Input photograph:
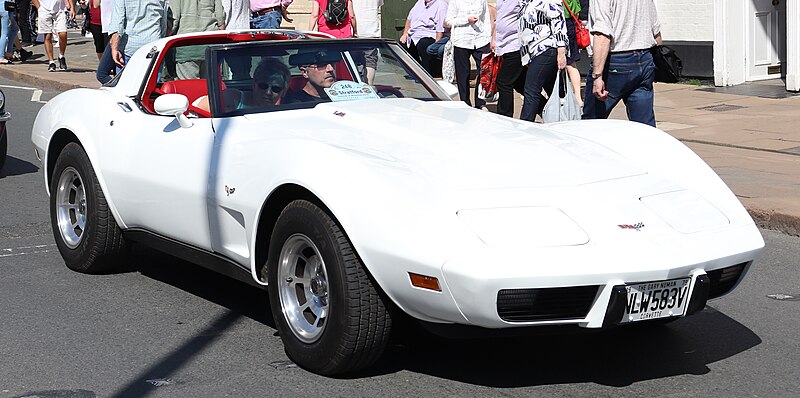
(748, 133)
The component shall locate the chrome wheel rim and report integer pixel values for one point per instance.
(71, 207)
(303, 288)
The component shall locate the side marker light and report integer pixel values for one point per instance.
(424, 282)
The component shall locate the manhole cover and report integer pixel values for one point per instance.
(721, 108)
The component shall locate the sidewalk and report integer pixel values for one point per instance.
(751, 140)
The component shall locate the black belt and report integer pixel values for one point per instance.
(264, 11)
(646, 50)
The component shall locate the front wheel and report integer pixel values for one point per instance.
(3, 144)
(86, 233)
(330, 316)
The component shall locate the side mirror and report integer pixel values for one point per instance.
(449, 88)
(173, 105)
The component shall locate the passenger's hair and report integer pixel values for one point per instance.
(269, 67)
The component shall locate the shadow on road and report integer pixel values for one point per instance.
(15, 167)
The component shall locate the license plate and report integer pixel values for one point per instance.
(660, 299)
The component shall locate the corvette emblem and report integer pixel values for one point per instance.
(637, 226)
(229, 190)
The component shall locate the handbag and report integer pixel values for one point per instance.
(10, 5)
(490, 67)
(668, 65)
(562, 104)
(582, 37)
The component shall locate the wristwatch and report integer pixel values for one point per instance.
(596, 75)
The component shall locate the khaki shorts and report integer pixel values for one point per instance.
(50, 21)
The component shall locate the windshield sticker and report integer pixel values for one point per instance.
(346, 90)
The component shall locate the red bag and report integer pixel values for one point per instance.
(582, 37)
(490, 67)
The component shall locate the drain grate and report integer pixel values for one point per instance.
(721, 108)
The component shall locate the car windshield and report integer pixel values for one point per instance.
(293, 74)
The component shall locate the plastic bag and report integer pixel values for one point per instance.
(562, 104)
(448, 63)
(487, 82)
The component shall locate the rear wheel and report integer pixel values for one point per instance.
(85, 231)
(330, 316)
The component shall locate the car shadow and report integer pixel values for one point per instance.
(617, 357)
(15, 167)
(239, 297)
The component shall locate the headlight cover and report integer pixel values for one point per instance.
(524, 227)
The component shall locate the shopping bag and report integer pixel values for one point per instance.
(562, 104)
(448, 63)
(668, 65)
(490, 67)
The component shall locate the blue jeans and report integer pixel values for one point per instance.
(541, 75)
(105, 66)
(8, 31)
(270, 20)
(628, 77)
(437, 49)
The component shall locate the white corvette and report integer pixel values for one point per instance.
(353, 199)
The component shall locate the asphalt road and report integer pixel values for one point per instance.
(167, 328)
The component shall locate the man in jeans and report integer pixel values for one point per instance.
(52, 18)
(135, 23)
(623, 69)
(267, 14)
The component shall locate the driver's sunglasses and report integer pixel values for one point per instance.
(274, 88)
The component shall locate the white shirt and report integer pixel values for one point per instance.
(464, 34)
(53, 5)
(367, 15)
(106, 6)
(237, 14)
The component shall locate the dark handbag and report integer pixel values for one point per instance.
(668, 65)
(11, 5)
(582, 38)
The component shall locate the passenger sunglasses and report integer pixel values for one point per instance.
(274, 88)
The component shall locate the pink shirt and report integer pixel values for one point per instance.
(341, 31)
(258, 5)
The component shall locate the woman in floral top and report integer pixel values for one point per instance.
(543, 40)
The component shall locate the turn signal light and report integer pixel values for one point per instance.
(424, 282)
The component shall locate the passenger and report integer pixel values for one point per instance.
(319, 70)
(270, 84)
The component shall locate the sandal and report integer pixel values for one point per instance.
(5, 61)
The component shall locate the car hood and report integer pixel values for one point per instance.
(459, 147)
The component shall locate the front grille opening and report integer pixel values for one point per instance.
(548, 304)
(724, 279)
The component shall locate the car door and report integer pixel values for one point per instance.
(161, 181)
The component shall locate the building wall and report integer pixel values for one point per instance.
(686, 20)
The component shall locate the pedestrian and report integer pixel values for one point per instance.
(135, 23)
(471, 33)
(344, 29)
(424, 26)
(24, 21)
(573, 7)
(369, 23)
(53, 18)
(8, 33)
(622, 66)
(505, 43)
(268, 14)
(237, 14)
(194, 16)
(543, 48)
(96, 27)
(106, 66)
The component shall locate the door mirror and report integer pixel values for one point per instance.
(173, 105)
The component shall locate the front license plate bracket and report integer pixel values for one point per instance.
(656, 299)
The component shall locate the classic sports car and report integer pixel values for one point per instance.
(4, 117)
(340, 177)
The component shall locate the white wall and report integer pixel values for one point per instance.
(686, 20)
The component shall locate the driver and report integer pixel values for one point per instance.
(318, 67)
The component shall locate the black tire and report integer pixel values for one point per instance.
(355, 329)
(75, 194)
(3, 144)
